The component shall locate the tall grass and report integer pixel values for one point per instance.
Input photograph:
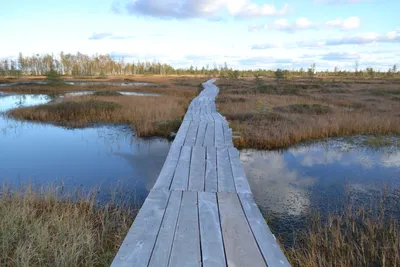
(281, 119)
(148, 115)
(356, 237)
(48, 227)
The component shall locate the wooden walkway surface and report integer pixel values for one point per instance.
(201, 211)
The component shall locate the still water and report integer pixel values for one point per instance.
(80, 83)
(109, 157)
(287, 184)
(323, 176)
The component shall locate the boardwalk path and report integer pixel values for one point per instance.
(201, 210)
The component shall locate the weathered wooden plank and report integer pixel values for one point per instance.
(228, 136)
(197, 169)
(239, 176)
(224, 170)
(270, 249)
(182, 132)
(139, 242)
(162, 249)
(192, 133)
(211, 184)
(181, 177)
(213, 253)
(167, 172)
(186, 245)
(240, 246)
(210, 135)
(201, 133)
(219, 134)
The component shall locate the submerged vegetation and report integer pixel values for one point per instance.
(49, 227)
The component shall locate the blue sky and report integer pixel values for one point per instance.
(247, 34)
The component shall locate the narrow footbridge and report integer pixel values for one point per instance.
(201, 211)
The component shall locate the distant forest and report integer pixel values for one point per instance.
(103, 65)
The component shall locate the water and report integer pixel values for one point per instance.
(108, 156)
(81, 93)
(321, 176)
(79, 83)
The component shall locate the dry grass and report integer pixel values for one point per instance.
(185, 86)
(353, 238)
(269, 116)
(49, 228)
(148, 115)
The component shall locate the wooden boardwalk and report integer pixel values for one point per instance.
(201, 211)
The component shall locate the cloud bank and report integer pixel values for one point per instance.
(190, 9)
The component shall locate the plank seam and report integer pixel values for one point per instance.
(176, 166)
(176, 225)
(220, 226)
(251, 229)
(159, 229)
(198, 225)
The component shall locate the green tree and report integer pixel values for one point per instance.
(371, 72)
(279, 75)
(53, 77)
(311, 73)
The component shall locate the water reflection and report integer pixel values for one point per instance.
(8, 101)
(322, 176)
(106, 156)
(81, 83)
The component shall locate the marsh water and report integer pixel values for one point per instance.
(107, 157)
(287, 184)
(322, 176)
(77, 83)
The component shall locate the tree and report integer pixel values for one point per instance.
(356, 67)
(371, 72)
(394, 68)
(279, 75)
(311, 73)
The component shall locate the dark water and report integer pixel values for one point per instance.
(79, 83)
(107, 156)
(322, 176)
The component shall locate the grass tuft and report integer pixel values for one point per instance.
(352, 238)
(107, 93)
(48, 227)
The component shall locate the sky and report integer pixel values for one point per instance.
(246, 34)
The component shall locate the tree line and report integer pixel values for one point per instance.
(103, 65)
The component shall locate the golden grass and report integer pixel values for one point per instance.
(353, 238)
(49, 228)
(280, 116)
(148, 115)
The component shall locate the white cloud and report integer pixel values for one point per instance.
(349, 23)
(208, 9)
(274, 185)
(340, 2)
(358, 39)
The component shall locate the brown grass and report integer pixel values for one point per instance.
(269, 116)
(186, 86)
(353, 238)
(49, 228)
(148, 115)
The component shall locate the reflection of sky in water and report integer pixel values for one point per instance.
(77, 83)
(106, 156)
(320, 175)
(8, 102)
